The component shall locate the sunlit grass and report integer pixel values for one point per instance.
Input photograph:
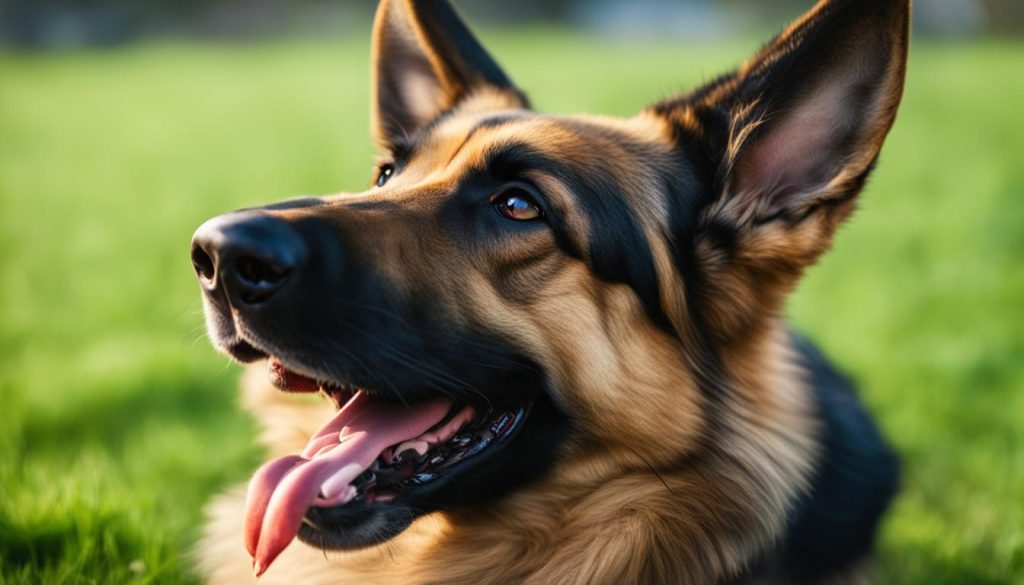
(117, 421)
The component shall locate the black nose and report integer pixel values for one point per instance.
(250, 256)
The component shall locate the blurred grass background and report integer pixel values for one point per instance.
(118, 421)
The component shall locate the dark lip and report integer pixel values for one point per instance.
(247, 347)
(355, 526)
(242, 351)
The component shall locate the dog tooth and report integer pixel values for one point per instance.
(424, 477)
(420, 447)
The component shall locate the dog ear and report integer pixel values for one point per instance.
(791, 138)
(425, 62)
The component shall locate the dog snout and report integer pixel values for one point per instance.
(248, 256)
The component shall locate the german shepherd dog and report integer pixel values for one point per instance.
(550, 349)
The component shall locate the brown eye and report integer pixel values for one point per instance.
(517, 204)
(384, 174)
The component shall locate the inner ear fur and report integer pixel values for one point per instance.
(792, 137)
(425, 61)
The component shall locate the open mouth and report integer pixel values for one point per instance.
(374, 451)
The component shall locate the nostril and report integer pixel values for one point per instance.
(258, 278)
(201, 261)
(258, 272)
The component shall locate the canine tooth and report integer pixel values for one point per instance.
(422, 477)
(420, 447)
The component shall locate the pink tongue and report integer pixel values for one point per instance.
(283, 489)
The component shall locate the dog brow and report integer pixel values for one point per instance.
(497, 121)
(404, 148)
(509, 160)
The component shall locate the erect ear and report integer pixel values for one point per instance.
(792, 137)
(425, 61)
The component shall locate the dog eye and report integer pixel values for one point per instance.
(517, 204)
(384, 174)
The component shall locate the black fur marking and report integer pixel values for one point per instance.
(618, 250)
(297, 203)
(693, 186)
(378, 205)
(497, 121)
(689, 190)
(403, 149)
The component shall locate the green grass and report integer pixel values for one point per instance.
(117, 421)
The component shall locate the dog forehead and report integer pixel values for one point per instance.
(624, 149)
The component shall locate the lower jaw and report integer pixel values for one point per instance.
(356, 526)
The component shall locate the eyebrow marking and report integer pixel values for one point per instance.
(486, 124)
(405, 148)
(498, 120)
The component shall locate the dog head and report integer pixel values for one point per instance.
(515, 286)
